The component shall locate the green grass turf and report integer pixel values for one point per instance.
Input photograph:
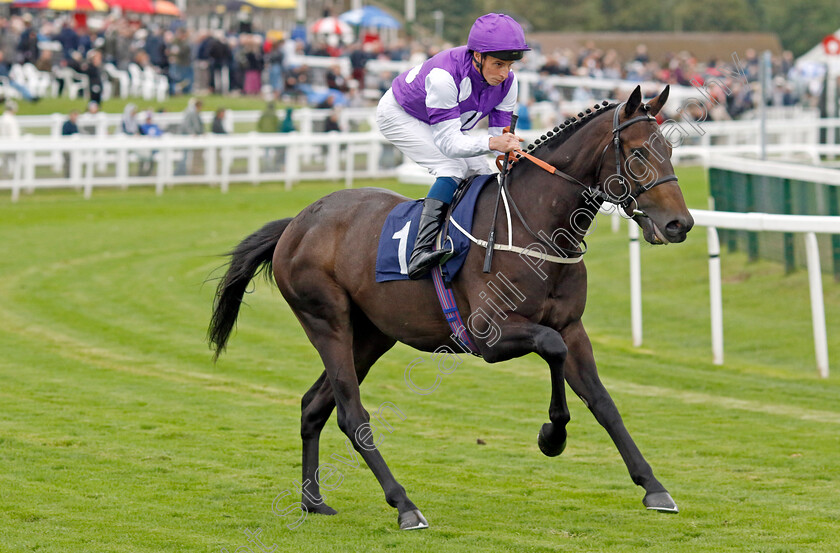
(118, 433)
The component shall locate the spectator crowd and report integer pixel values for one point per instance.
(250, 62)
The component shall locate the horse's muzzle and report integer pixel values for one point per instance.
(676, 230)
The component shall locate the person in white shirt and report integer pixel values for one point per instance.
(9, 131)
(9, 126)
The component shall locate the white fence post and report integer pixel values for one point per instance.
(635, 284)
(333, 162)
(17, 175)
(817, 306)
(715, 295)
(100, 129)
(807, 224)
(226, 163)
(292, 165)
(75, 167)
(28, 170)
(212, 165)
(57, 121)
(351, 165)
(122, 166)
(205, 156)
(87, 167)
(253, 162)
(162, 170)
(306, 127)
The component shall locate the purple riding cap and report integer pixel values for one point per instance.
(448, 86)
(496, 32)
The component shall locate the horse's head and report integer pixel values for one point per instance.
(636, 171)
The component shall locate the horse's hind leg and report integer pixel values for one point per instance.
(319, 401)
(326, 318)
(316, 406)
(582, 375)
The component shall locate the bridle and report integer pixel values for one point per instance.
(599, 189)
(596, 191)
(620, 158)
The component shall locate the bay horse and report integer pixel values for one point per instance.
(323, 262)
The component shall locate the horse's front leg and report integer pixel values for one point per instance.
(582, 375)
(552, 436)
(520, 337)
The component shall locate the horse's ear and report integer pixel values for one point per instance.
(633, 102)
(659, 102)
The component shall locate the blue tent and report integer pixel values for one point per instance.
(370, 16)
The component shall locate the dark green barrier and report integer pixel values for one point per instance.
(745, 193)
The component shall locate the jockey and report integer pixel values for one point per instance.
(427, 110)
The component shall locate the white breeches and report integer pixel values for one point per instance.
(415, 140)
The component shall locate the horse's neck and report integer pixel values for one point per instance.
(561, 209)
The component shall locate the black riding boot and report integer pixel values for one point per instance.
(423, 258)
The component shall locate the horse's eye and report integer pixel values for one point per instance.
(641, 152)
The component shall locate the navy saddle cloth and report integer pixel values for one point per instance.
(400, 231)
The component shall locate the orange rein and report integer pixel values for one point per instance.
(519, 154)
(516, 155)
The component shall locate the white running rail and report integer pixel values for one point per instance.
(757, 222)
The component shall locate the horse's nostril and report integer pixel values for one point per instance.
(674, 227)
(677, 229)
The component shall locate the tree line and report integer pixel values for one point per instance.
(800, 24)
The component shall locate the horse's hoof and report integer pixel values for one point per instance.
(660, 501)
(548, 449)
(412, 520)
(322, 509)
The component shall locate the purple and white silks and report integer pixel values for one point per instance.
(448, 93)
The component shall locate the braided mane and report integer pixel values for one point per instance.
(561, 133)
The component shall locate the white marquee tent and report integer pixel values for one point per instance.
(825, 57)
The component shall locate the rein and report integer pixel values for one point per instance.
(619, 158)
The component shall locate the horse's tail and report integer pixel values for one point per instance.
(252, 256)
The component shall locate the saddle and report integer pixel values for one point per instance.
(400, 231)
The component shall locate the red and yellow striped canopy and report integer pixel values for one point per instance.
(67, 5)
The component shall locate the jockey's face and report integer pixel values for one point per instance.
(495, 70)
